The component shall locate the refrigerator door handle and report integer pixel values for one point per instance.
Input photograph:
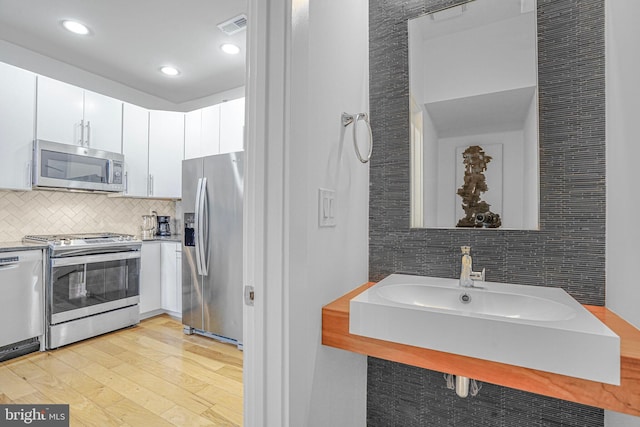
(204, 228)
(198, 234)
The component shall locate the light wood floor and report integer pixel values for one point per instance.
(148, 375)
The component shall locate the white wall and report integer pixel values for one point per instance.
(480, 60)
(431, 170)
(329, 75)
(623, 151)
(506, 199)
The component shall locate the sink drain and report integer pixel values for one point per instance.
(465, 298)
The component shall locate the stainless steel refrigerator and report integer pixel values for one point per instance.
(212, 296)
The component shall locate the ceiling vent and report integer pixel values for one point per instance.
(234, 25)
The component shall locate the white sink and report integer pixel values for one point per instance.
(531, 326)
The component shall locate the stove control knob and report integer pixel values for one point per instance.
(57, 242)
(120, 238)
(128, 238)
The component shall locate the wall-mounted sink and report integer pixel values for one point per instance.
(531, 326)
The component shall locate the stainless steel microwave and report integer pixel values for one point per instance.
(74, 167)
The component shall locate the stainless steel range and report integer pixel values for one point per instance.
(92, 285)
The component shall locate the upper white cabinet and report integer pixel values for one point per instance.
(215, 129)
(202, 132)
(135, 147)
(103, 119)
(17, 112)
(72, 115)
(193, 134)
(166, 152)
(232, 126)
(210, 143)
(154, 143)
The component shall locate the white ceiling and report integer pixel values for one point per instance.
(131, 39)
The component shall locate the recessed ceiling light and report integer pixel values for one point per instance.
(76, 27)
(229, 48)
(169, 71)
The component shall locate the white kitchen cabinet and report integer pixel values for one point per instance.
(60, 111)
(135, 147)
(150, 280)
(103, 119)
(166, 152)
(17, 115)
(210, 143)
(232, 126)
(202, 132)
(171, 267)
(72, 115)
(193, 134)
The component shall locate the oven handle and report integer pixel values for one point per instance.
(90, 259)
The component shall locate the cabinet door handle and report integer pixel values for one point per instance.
(81, 140)
(88, 139)
(28, 181)
(126, 183)
(150, 185)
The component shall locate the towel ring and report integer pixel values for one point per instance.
(347, 119)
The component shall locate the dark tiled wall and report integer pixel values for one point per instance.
(569, 249)
(406, 396)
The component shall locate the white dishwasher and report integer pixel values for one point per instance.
(21, 302)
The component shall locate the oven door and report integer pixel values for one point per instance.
(85, 285)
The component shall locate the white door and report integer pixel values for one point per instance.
(179, 280)
(103, 122)
(166, 151)
(193, 134)
(17, 114)
(171, 264)
(135, 147)
(150, 279)
(232, 126)
(59, 112)
(210, 139)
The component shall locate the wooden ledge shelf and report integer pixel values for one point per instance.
(624, 398)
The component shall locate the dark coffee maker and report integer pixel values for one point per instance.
(164, 229)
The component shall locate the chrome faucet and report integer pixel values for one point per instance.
(467, 275)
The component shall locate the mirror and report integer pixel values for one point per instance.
(474, 116)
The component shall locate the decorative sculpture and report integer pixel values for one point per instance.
(477, 212)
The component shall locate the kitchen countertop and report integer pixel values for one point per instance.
(20, 246)
(173, 238)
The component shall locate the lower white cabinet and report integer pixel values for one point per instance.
(171, 268)
(161, 278)
(150, 279)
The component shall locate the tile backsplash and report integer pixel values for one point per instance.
(55, 212)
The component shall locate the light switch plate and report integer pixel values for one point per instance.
(326, 207)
